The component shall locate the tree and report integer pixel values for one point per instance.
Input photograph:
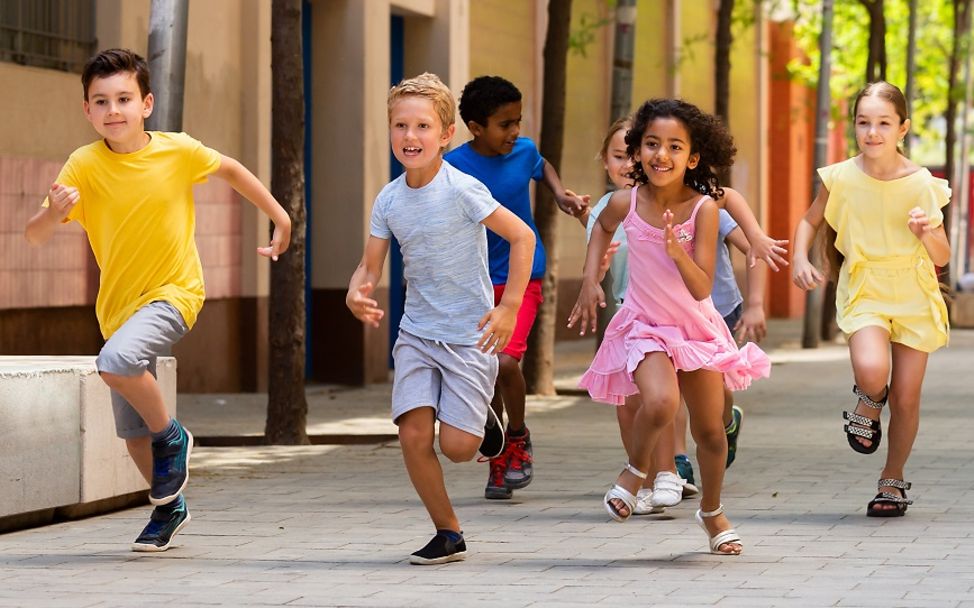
(955, 92)
(911, 66)
(287, 406)
(722, 52)
(876, 60)
(539, 360)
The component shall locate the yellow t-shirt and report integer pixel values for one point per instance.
(140, 218)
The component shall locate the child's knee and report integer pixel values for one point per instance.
(507, 366)
(415, 430)
(457, 445)
(709, 435)
(659, 410)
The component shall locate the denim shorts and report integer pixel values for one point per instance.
(733, 317)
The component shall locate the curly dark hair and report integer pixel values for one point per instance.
(484, 95)
(708, 138)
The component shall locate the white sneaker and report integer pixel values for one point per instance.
(667, 490)
(644, 503)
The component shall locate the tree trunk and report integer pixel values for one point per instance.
(954, 93)
(911, 63)
(539, 360)
(722, 66)
(811, 329)
(876, 61)
(287, 407)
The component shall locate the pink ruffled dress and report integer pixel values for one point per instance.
(660, 315)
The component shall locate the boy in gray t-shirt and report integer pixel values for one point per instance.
(446, 362)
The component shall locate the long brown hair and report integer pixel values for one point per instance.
(886, 92)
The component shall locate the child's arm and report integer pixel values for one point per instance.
(752, 326)
(934, 239)
(567, 201)
(61, 200)
(498, 323)
(246, 183)
(763, 247)
(364, 280)
(591, 294)
(803, 273)
(697, 272)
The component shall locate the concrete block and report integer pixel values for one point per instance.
(962, 310)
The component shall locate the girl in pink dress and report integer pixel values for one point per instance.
(667, 337)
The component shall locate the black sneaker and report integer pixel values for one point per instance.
(520, 459)
(492, 445)
(440, 550)
(733, 431)
(164, 523)
(170, 467)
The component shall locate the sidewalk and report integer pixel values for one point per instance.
(332, 525)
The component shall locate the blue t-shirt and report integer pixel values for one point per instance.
(508, 177)
(726, 294)
(444, 252)
(619, 266)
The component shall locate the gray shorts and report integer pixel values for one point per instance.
(455, 380)
(133, 349)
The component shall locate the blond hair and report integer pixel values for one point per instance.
(428, 86)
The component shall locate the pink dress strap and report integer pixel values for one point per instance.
(632, 200)
(693, 214)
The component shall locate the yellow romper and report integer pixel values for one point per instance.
(887, 279)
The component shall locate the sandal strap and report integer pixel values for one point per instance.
(860, 431)
(713, 513)
(636, 471)
(888, 497)
(855, 418)
(894, 483)
(727, 537)
(867, 400)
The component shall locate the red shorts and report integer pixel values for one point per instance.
(525, 317)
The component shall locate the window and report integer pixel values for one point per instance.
(55, 34)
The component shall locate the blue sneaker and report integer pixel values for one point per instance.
(733, 431)
(685, 470)
(170, 467)
(163, 525)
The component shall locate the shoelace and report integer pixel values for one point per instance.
(518, 454)
(497, 467)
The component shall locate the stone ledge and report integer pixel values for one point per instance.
(58, 446)
(962, 310)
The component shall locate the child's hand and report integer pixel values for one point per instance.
(751, 327)
(670, 240)
(363, 307)
(607, 258)
(279, 241)
(62, 199)
(919, 223)
(805, 275)
(772, 251)
(573, 204)
(584, 310)
(498, 327)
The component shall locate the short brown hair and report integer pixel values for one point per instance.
(428, 86)
(887, 92)
(113, 61)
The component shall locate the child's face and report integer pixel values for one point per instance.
(415, 132)
(664, 151)
(502, 129)
(116, 108)
(617, 163)
(878, 127)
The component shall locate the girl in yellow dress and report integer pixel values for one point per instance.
(885, 228)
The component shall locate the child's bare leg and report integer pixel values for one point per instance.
(680, 431)
(704, 396)
(458, 445)
(416, 430)
(660, 396)
(143, 393)
(869, 350)
(510, 384)
(140, 449)
(909, 367)
(626, 415)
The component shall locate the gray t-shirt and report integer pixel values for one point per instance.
(726, 294)
(444, 252)
(619, 266)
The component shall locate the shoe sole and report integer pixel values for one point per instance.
(140, 548)
(422, 561)
(165, 500)
(498, 495)
(690, 490)
(518, 485)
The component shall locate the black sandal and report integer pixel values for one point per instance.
(867, 428)
(888, 498)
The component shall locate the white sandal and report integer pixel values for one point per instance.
(726, 537)
(620, 493)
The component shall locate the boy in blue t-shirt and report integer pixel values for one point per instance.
(490, 106)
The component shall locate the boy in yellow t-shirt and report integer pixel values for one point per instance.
(132, 192)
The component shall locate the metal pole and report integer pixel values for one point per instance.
(167, 63)
(811, 328)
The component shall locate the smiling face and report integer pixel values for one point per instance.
(416, 133)
(616, 161)
(664, 152)
(117, 110)
(879, 127)
(502, 130)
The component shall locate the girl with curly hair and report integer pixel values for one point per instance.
(668, 338)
